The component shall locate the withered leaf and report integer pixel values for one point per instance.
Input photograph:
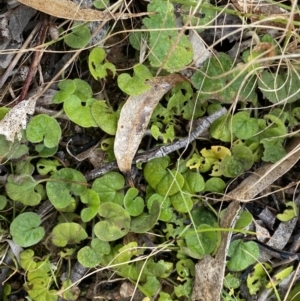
(16, 119)
(66, 9)
(135, 116)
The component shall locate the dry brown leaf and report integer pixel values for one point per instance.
(66, 9)
(135, 116)
(16, 119)
(209, 272)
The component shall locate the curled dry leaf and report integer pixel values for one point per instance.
(66, 9)
(16, 119)
(135, 116)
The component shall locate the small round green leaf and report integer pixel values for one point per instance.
(3, 201)
(43, 128)
(46, 166)
(132, 203)
(166, 212)
(242, 254)
(170, 184)
(108, 186)
(155, 170)
(91, 198)
(241, 160)
(63, 184)
(91, 256)
(220, 129)
(132, 85)
(79, 37)
(105, 117)
(243, 126)
(215, 184)
(115, 223)
(22, 188)
(68, 233)
(80, 112)
(25, 229)
(244, 220)
(201, 243)
(182, 202)
(146, 222)
(193, 182)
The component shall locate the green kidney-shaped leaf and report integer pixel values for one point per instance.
(108, 186)
(79, 112)
(22, 188)
(241, 160)
(166, 212)
(63, 184)
(79, 37)
(273, 149)
(201, 243)
(92, 256)
(132, 85)
(215, 80)
(96, 65)
(193, 182)
(43, 128)
(91, 198)
(68, 233)
(244, 220)
(220, 129)
(182, 202)
(146, 222)
(26, 230)
(132, 203)
(170, 184)
(243, 126)
(168, 49)
(242, 254)
(280, 87)
(155, 170)
(215, 184)
(115, 223)
(105, 117)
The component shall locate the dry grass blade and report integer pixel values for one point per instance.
(66, 9)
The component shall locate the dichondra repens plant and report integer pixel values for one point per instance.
(154, 232)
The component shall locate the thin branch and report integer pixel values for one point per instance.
(200, 126)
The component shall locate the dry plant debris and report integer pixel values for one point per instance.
(150, 149)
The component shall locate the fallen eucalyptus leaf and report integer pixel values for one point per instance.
(135, 116)
(16, 119)
(69, 10)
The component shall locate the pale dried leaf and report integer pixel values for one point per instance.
(201, 53)
(16, 119)
(209, 272)
(66, 9)
(135, 116)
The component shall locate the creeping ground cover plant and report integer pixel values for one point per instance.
(121, 177)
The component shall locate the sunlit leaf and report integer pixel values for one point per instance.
(26, 230)
(68, 233)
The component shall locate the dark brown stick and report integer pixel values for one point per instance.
(35, 61)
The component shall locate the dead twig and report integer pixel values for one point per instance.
(36, 60)
(200, 127)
